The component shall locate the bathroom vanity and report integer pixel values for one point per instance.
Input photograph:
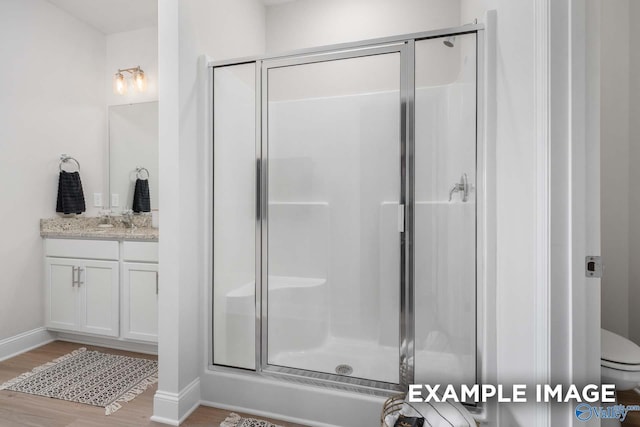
(101, 282)
(101, 274)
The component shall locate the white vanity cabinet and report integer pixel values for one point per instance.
(62, 309)
(82, 295)
(102, 288)
(140, 291)
(140, 301)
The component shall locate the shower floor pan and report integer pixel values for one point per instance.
(369, 360)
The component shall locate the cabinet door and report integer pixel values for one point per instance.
(140, 301)
(62, 296)
(99, 295)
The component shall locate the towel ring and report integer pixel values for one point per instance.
(139, 170)
(64, 159)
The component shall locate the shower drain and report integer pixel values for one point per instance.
(344, 370)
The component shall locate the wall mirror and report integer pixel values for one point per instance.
(133, 144)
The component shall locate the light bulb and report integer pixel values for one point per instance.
(119, 84)
(140, 80)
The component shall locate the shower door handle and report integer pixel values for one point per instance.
(400, 218)
(258, 180)
(463, 187)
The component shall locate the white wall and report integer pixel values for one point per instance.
(532, 203)
(239, 31)
(307, 23)
(52, 101)
(615, 165)
(187, 30)
(129, 49)
(620, 154)
(634, 171)
(516, 161)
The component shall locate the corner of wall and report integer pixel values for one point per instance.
(174, 408)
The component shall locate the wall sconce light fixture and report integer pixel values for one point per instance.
(139, 81)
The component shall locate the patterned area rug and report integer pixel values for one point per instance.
(89, 377)
(235, 420)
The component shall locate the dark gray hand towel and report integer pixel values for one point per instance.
(70, 194)
(141, 197)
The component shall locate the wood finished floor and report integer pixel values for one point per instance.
(630, 398)
(24, 410)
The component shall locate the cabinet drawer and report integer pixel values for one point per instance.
(94, 249)
(140, 251)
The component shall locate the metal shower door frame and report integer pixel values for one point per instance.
(405, 45)
(401, 48)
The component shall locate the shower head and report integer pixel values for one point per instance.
(449, 41)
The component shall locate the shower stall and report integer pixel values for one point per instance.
(347, 193)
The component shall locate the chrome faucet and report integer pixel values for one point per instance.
(127, 218)
(105, 217)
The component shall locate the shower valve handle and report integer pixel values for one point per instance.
(462, 186)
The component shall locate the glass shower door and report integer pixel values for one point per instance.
(332, 147)
(234, 216)
(445, 210)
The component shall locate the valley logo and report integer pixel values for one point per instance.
(584, 411)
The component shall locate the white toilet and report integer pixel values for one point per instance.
(619, 364)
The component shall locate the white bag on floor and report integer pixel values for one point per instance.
(435, 414)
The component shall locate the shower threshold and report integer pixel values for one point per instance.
(369, 360)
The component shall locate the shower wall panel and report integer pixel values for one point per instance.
(333, 153)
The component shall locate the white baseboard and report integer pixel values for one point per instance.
(21, 343)
(162, 420)
(173, 408)
(115, 343)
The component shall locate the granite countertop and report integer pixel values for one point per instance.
(88, 228)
